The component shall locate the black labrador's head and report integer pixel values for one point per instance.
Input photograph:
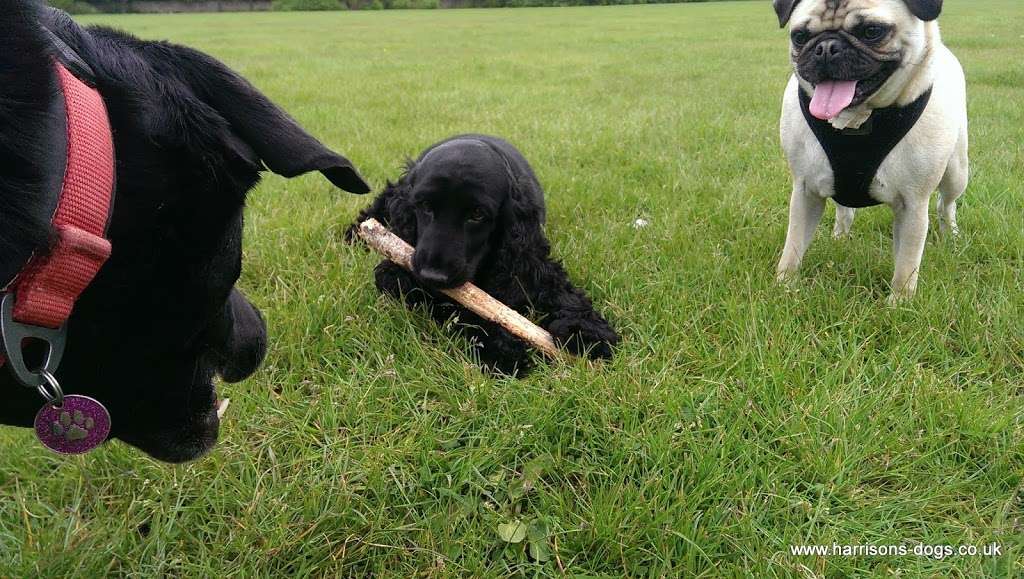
(459, 191)
(163, 319)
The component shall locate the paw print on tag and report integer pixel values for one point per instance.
(79, 425)
(73, 426)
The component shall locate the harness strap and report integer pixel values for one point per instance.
(856, 155)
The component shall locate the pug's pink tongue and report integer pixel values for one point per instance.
(832, 97)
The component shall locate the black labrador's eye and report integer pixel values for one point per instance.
(873, 33)
(800, 37)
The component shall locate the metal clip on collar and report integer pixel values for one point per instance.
(12, 338)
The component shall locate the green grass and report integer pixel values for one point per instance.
(738, 418)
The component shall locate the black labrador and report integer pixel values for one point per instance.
(474, 210)
(163, 319)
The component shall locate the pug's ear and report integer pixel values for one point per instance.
(276, 138)
(926, 10)
(784, 8)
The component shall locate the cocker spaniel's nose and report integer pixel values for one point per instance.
(434, 277)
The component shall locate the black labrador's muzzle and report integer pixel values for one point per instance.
(241, 342)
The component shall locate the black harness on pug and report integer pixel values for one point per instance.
(857, 154)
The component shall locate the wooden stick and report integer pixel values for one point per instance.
(475, 299)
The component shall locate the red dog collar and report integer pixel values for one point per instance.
(39, 301)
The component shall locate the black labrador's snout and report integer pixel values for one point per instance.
(242, 344)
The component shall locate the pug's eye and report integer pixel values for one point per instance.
(800, 37)
(873, 33)
(476, 216)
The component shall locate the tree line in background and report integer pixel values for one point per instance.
(405, 4)
(95, 6)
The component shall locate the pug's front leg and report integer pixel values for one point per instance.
(910, 231)
(805, 211)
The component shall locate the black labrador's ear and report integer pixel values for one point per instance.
(280, 142)
(926, 10)
(784, 8)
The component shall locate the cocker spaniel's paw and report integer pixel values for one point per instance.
(505, 355)
(352, 234)
(585, 337)
(395, 282)
(510, 367)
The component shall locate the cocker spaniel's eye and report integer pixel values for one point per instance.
(476, 216)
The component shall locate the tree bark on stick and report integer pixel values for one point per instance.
(473, 298)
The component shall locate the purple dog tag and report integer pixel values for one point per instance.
(79, 426)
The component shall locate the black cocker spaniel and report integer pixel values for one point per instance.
(474, 210)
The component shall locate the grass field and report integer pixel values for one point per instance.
(738, 418)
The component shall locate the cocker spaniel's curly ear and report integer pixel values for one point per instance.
(392, 208)
(522, 218)
(522, 246)
(400, 213)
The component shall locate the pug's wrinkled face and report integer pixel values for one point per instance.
(849, 52)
